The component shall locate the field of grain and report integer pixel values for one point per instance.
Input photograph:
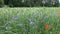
(30, 20)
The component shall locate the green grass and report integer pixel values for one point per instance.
(29, 20)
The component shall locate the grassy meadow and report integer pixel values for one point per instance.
(30, 20)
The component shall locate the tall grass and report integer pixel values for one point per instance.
(29, 20)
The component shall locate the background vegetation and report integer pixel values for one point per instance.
(29, 3)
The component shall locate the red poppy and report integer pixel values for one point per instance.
(59, 15)
(47, 27)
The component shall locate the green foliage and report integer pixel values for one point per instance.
(29, 20)
(1, 3)
(16, 3)
(30, 3)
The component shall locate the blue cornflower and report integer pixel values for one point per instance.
(15, 18)
(32, 23)
(20, 24)
(54, 13)
(7, 27)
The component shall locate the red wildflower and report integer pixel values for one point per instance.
(47, 27)
(59, 15)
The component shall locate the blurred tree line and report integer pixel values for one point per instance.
(29, 3)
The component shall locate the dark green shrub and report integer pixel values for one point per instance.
(31, 3)
(1, 3)
(16, 3)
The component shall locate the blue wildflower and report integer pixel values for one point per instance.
(15, 18)
(32, 23)
(7, 28)
(20, 24)
(54, 13)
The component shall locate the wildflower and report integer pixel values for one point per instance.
(15, 18)
(7, 28)
(59, 15)
(47, 27)
(54, 13)
(32, 23)
(20, 24)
